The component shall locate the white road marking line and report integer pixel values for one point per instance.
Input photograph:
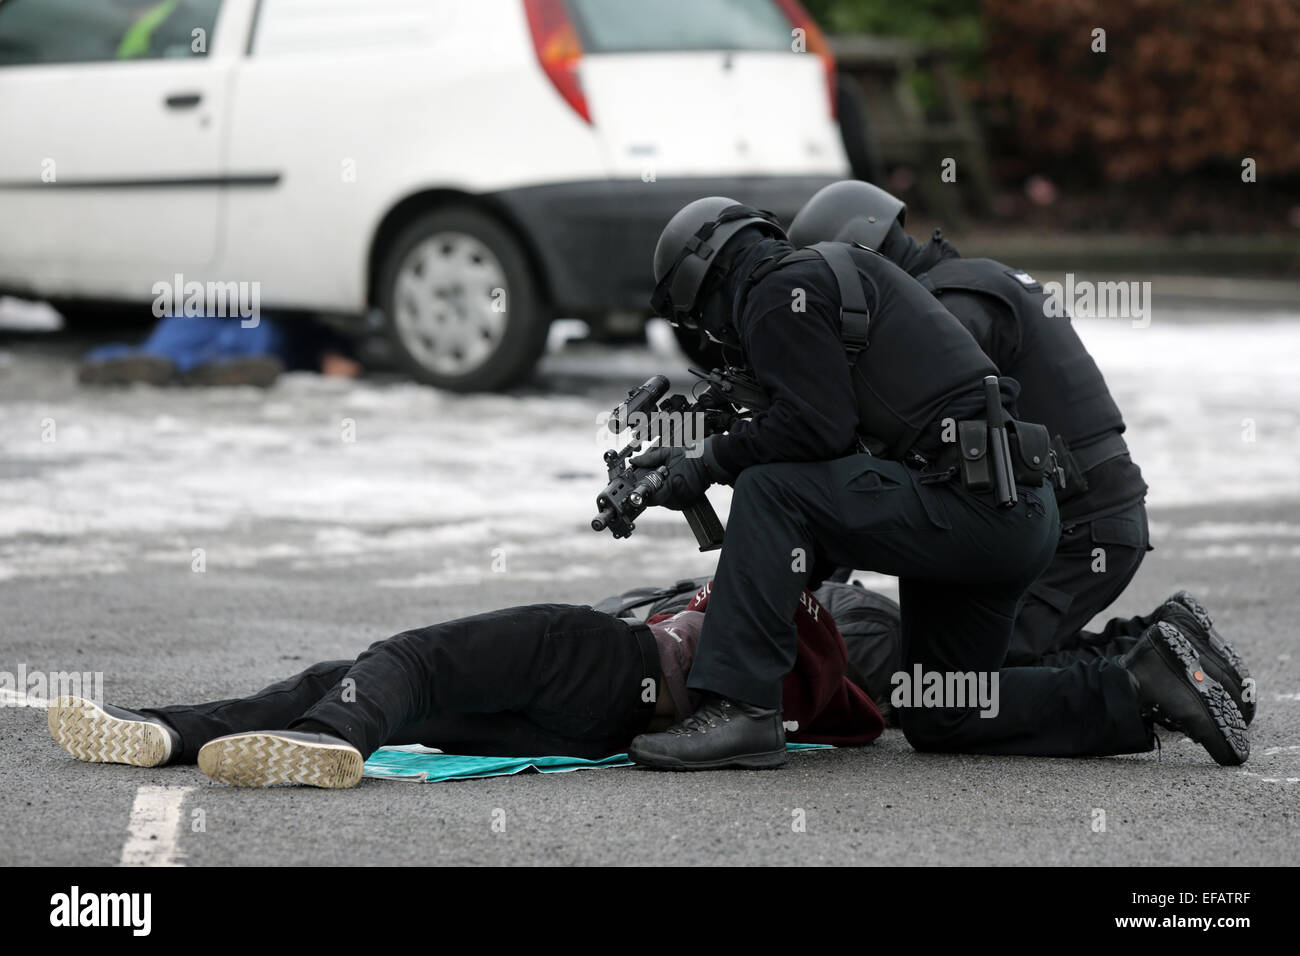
(1284, 750)
(16, 698)
(1263, 779)
(1286, 696)
(154, 830)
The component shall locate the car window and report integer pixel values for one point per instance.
(614, 26)
(86, 31)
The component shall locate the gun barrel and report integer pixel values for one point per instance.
(602, 520)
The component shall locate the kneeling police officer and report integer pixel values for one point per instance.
(889, 444)
(1102, 502)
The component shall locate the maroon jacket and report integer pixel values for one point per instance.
(824, 705)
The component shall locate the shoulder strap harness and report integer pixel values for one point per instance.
(855, 317)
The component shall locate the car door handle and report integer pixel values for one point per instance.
(184, 101)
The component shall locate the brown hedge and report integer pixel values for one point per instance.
(1182, 82)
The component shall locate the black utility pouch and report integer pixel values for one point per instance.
(973, 441)
(1031, 452)
(1075, 481)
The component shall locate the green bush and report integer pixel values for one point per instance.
(954, 24)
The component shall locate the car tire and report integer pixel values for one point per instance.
(461, 305)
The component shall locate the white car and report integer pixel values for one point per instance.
(466, 170)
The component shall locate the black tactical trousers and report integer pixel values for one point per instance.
(963, 565)
(1093, 564)
(1113, 640)
(531, 681)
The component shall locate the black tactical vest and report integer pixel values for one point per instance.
(1060, 384)
(910, 356)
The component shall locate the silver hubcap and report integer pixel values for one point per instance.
(450, 302)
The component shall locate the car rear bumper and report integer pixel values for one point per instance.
(595, 240)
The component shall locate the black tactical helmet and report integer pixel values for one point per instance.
(689, 247)
(848, 211)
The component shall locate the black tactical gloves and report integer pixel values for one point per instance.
(688, 475)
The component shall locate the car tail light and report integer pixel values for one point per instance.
(559, 50)
(816, 43)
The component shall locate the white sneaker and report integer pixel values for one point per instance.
(110, 734)
(266, 758)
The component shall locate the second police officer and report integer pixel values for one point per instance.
(1104, 533)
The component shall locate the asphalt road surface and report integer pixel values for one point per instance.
(312, 544)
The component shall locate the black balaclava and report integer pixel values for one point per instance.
(915, 257)
(719, 297)
(752, 249)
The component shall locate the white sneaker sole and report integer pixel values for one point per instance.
(86, 731)
(266, 759)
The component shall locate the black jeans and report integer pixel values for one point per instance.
(964, 565)
(1093, 564)
(531, 681)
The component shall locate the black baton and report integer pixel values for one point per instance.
(999, 445)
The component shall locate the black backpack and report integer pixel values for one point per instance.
(872, 626)
(870, 623)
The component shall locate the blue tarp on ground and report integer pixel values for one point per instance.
(425, 766)
(193, 341)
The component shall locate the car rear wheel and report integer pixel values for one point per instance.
(461, 305)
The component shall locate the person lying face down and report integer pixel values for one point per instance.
(535, 680)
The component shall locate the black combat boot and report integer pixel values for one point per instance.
(722, 733)
(1175, 692)
(1221, 660)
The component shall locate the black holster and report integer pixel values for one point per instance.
(973, 440)
(1031, 452)
(1032, 456)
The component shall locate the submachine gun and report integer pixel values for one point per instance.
(718, 399)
